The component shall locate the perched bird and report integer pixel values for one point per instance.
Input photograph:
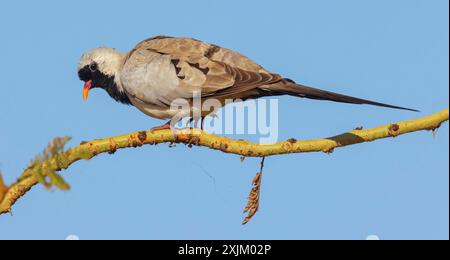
(162, 69)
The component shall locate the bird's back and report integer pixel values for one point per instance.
(192, 47)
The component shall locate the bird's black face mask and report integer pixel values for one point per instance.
(94, 78)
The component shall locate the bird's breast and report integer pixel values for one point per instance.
(153, 82)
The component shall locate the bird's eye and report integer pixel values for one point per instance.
(93, 67)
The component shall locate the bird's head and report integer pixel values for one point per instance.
(99, 68)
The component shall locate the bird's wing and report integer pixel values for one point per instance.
(188, 65)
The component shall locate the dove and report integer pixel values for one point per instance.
(160, 71)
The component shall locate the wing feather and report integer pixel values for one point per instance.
(195, 66)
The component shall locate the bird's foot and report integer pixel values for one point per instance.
(162, 127)
(167, 126)
(202, 124)
(196, 121)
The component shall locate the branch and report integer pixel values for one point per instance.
(87, 150)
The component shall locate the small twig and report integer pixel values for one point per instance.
(262, 164)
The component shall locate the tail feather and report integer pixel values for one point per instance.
(293, 89)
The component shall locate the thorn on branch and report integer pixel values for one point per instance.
(253, 198)
(434, 130)
(329, 151)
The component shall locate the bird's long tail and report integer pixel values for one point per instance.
(293, 89)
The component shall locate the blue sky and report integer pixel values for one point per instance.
(391, 51)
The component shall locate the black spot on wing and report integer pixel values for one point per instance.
(175, 63)
(211, 51)
(197, 66)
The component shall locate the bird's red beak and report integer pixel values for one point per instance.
(87, 87)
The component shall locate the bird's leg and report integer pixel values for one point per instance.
(201, 120)
(188, 123)
(196, 122)
(202, 125)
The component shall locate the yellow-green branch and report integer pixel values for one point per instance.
(87, 150)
